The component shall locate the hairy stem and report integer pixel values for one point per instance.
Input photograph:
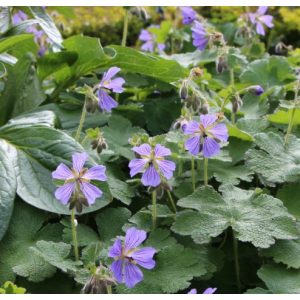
(125, 28)
(154, 209)
(81, 122)
(292, 116)
(236, 261)
(171, 201)
(74, 235)
(193, 173)
(205, 171)
(108, 289)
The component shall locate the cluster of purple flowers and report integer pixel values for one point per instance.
(149, 41)
(199, 34)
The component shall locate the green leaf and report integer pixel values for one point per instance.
(289, 195)
(25, 229)
(10, 288)
(47, 24)
(274, 162)
(280, 280)
(8, 187)
(53, 62)
(36, 151)
(117, 134)
(131, 60)
(283, 116)
(192, 59)
(234, 131)
(286, 252)
(22, 91)
(228, 174)
(256, 218)
(4, 18)
(120, 190)
(56, 254)
(273, 71)
(254, 107)
(175, 267)
(12, 42)
(110, 222)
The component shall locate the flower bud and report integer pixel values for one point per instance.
(184, 92)
(98, 282)
(204, 108)
(90, 105)
(256, 89)
(221, 64)
(236, 103)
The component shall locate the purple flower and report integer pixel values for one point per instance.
(127, 257)
(259, 19)
(106, 102)
(206, 135)
(149, 41)
(77, 179)
(207, 291)
(18, 17)
(200, 36)
(152, 164)
(188, 15)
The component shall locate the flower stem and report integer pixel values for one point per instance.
(232, 118)
(193, 173)
(74, 234)
(81, 122)
(205, 171)
(154, 209)
(180, 166)
(125, 28)
(292, 115)
(171, 201)
(108, 289)
(236, 262)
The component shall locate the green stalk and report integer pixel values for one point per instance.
(81, 122)
(236, 261)
(74, 235)
(180, 167)
(108, 289)
(171, 201)
(292, 116)
(231, 72)
(73, 222)
(154, 209)
(193, 173)
(205, 171)
(125, 28)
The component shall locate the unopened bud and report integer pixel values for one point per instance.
(197, 72)
(221, 64)
(90, 105)
(256, 89)
(184, 92)
(204, 108)
(236, 104)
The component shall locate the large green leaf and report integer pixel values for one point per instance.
(37, 151)
(254, 217)
(268, 72)
(280, 280)
(8, 185)
(286, 252)
(151, 65)
(25, 229)
(283, 116)
(22, 91)
(275, 162)
(8, 44)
